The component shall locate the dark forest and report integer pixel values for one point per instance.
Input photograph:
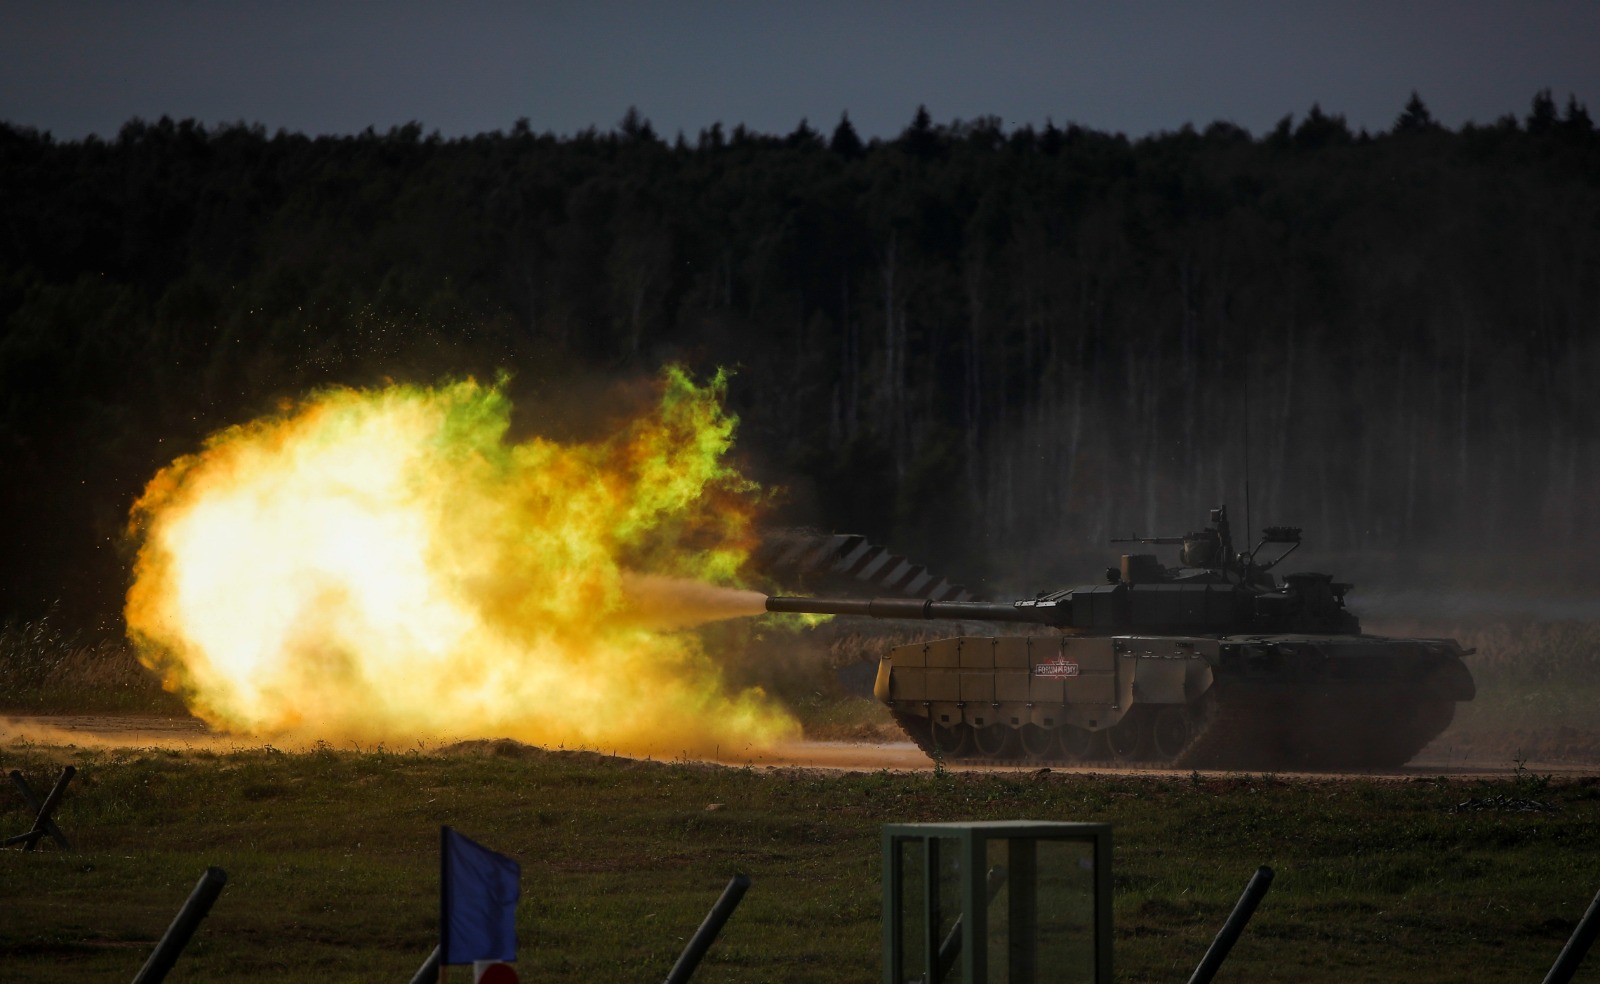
(991, 348)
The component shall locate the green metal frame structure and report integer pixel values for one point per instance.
(954, 946)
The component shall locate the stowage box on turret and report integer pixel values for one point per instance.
(1214, 663)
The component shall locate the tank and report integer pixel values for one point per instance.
(1213, 663)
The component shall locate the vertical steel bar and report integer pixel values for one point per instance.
(707, 933)
(1104, 952)
(893, 903)
(1229, 934)
(183, 926)
(1022, 936)
(970, 921)
(930, 910)
(1577, 946)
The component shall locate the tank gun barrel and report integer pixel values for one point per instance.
(921, 608)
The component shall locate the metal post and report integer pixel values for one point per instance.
(429, 971)
(42, 823)
(707, 933)
(931, 916)
(1022, 908)
(183, 926)
(1577, 946)
(1229, 934)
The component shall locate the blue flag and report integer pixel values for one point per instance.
(478, 893)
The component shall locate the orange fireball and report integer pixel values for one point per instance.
(386, 565)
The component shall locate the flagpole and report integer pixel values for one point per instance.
(444, 889)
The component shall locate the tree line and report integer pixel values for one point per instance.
(990, 347)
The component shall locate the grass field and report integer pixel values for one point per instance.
(332, 853)
(332, 860)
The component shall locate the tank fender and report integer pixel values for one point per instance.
(880, 686)
(1453, 680)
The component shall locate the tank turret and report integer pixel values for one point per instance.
(1213, 591)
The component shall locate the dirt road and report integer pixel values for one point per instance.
(111, 731)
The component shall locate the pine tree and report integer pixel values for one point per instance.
(1320, 130)
(1542, 116)
(1415, 118)
(635, 127)
(1576, 119)
(803, 136)
(920, 139)
(845, 142)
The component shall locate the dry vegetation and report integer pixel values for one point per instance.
(47, 668)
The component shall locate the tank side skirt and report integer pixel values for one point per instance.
(1248, 702)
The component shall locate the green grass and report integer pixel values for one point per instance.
(1536, 674)
(332, 861)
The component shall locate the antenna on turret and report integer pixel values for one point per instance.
(1248, 529)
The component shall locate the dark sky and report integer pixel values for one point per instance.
(75, 68)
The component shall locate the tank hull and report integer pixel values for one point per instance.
(1291, 701)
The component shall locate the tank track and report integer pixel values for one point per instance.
(920, 731)
(1245, 728)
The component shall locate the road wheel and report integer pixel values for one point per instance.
(1077, 743)
(1039, 743)
(1171, 731)
(951, 740)
(1129, 739)
(994, 740)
